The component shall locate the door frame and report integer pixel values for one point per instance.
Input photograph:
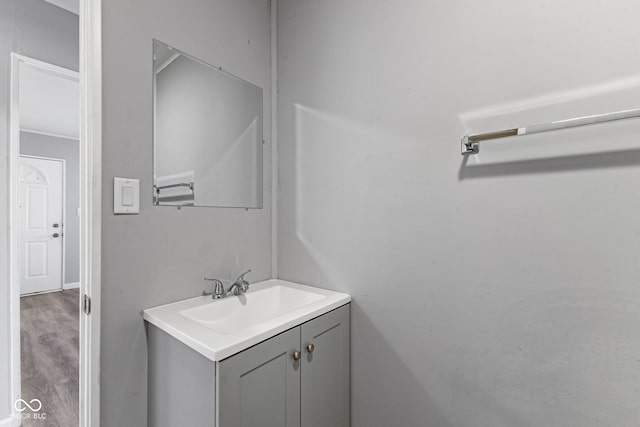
(90, 165)
(64, 218)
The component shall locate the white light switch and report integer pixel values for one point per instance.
(126, 196)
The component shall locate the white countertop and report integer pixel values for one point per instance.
(220, 328)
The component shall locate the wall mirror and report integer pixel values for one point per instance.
(207, 139)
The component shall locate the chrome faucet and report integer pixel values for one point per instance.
(240, 286)
(218, 289)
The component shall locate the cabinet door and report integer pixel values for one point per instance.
(325, 394)
(260, 387)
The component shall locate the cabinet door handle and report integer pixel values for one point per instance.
(297, 355)
(310, 348)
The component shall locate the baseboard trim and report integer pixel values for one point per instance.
(75, 285)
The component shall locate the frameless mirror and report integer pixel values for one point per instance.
(207, 142)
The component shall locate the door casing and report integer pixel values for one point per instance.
(90, 78)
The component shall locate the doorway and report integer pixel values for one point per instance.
(85, 304)
(48, 240)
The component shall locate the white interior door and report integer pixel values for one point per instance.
(40, 233)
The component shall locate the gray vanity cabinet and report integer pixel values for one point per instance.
(260, 387)
(325, 370)
(264, 386)
(299, 378)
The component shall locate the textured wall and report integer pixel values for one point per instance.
(497, 291)
(162, 254)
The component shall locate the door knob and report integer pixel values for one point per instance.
(56, 225)
(56, 235)
(310, 348)
(297, 355)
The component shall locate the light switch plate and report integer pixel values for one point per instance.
(126, 196)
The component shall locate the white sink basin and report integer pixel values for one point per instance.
(234, 314)
(220, 328)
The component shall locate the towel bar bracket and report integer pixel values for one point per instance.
(469, 147)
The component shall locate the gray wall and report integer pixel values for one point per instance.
(68, 149)
(497, 291)
(40, 30)
(162, 254)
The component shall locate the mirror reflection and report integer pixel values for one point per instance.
(207, 134)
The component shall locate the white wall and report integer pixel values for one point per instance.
(49, 102)
(163, 254)
(42, 31)
(34, 144)
(498, 292)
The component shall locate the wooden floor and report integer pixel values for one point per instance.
(49, 331)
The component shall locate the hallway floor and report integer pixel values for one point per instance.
(49, 332)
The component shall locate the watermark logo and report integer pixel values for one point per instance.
(34, 405)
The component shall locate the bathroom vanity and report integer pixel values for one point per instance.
(275, 356)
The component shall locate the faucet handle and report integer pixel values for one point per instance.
(218, 291)
(243, 283)
(241, 277)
